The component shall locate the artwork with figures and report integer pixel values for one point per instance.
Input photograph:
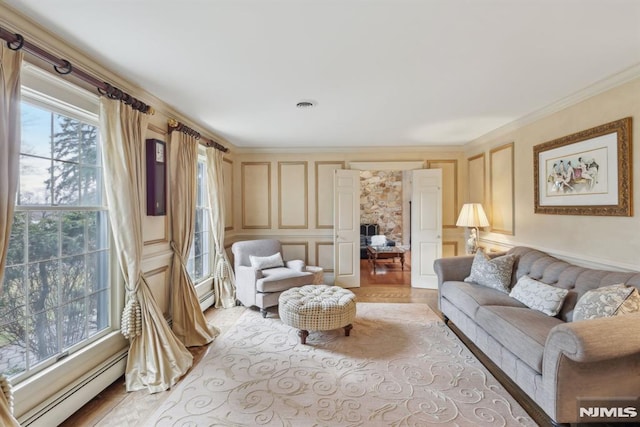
(579, 173)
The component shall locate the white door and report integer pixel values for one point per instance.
(426, 227)
(346, 226)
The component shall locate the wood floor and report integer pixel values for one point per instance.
(115, 407)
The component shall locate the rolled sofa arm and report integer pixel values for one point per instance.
(452, 269)
(594, 340)
(296, 264)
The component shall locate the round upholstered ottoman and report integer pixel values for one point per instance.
(317, 308)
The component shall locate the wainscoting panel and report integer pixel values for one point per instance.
(295, 250)
(256, 194)
(449, 190)
(157, 280)
(324, 192)
(293, 197)
(324, 256)
(501, 189)
(449, 249)
(476, 179)
(227, 176)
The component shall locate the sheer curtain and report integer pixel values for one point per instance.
(224, 279)
(189, 323)
(10, 62)
(157, 359)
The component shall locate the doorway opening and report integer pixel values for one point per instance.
(385, 227)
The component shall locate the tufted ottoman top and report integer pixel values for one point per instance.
(312, 299)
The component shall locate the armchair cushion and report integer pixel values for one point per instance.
(262, 262)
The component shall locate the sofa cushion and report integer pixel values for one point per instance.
(607, 301)
(469, 296)
(522, 331)
(282, 278)
(539, 296)
(270, 261)
(492, 272)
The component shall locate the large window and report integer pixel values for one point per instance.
(199, 263)
(56, 294)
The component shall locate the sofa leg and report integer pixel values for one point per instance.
(446, 319)
(264, 313)
(303, 334)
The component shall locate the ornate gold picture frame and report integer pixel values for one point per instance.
(586, 173)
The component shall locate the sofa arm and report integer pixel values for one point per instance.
(595, 340)
(452, 269)
(296, 264)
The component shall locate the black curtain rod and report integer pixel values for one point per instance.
(175, 125)
(62, 66)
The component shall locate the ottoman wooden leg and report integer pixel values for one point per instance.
(303, 334)
(347, 329)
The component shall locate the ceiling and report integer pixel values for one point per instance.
(380, 72)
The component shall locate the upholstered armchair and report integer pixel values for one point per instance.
(262, 275)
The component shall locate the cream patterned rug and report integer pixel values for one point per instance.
(401, 366)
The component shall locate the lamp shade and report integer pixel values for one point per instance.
(472, 215)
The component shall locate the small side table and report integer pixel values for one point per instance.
(318, 274)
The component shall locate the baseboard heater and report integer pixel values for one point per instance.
(69, 400)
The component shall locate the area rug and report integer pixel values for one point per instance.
(401, 366)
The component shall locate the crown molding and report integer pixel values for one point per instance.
(352, 149)
(596, 88)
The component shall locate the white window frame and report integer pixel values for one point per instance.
(106, 350)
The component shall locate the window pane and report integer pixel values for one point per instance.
(98, 312)
(66, 138)
(97, 231)
(97, 271)
(199, 221)
(73, 280)
(43, 338)
(73, 233)
(13, 298)
(43, 235)
(15, 252)
(35, 179)
(13, 353)
(89, 149)
(66, 179)
(74, 322)
(90, 186)
(43, 286)
(36, 130)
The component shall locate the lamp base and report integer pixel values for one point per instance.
(472, 242)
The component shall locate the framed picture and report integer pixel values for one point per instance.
(586, 173)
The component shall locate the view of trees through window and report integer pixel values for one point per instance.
(198, 264)
(56, 292)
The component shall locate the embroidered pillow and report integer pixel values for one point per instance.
(607, 301)
(539, 296)
(494, 273)
(263, 262)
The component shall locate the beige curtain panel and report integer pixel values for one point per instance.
(10, 62)
(224, 279)
(189, 323)
(156, 359)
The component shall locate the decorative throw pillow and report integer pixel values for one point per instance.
(494, 273)
(263, 262)
(539, 296)
(607, 301)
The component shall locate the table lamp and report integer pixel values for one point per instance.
(472, 215)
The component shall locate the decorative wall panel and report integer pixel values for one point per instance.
(227, 175)
(324, 192)
(292, 195)
(501, 189)
(256, 194)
